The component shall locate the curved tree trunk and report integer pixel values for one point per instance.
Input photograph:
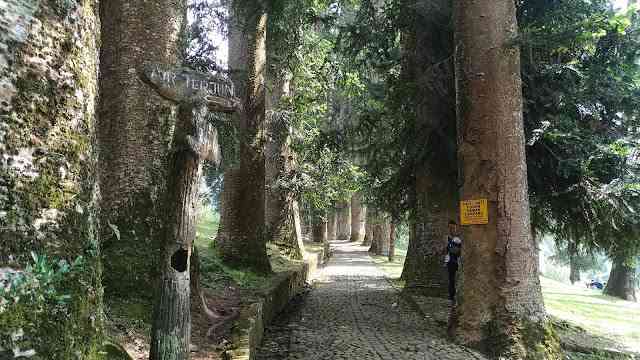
(501, 289)
(358, 218)
(48, 185)
(243, 241)
(332, 225)
(344, 220)
(134, 131)
(428, 49)
(622, 281)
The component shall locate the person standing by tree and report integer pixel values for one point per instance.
(452, 258)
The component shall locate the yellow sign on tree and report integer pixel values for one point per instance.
(474, 212)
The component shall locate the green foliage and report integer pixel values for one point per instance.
(327, 173)
(583, 259)
(581, 87)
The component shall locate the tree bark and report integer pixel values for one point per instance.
(243, 241)
(381, 235)
(385, 236)
(392, 241)
(358, 218)
(368, 228)
(171, 330)
(574, 271)
(428, 49)
(622, 281)
(344, 220)
(48, 186)
(373, 223)
(502, 311)
(319, 230)
(282, 212)
(134, 131)
(332, 226)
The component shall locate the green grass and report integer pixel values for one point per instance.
(393, 270)
(207, 227)
(597, 313)
(214, 273)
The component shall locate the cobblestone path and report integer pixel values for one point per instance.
(353, 312)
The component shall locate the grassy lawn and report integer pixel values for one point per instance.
(600, 314)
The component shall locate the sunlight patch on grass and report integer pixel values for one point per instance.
(393, 270)
(207, 227)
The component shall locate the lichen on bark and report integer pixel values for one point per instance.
(48, 86)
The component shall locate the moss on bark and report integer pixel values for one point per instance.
(47, 172)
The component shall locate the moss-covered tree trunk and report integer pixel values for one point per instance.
(243, 241)
(427, 56)
(358, 218)
(622, 280)
(281, 207)
(134, 133)
(502, 311)
(48, 88)
(344, 220)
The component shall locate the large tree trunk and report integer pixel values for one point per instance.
(48, 192)
(319, 230)
(332, 226)
(428, 49)
(243, 242)
(392, 241)
(358, 218)
(171, 331)
(502, 308)
(134, 132)
(381, 235)
(373, 223)
(368, 237)
(282, 212)
(385, 236)
(574, 271)
(622, 280)
(344, 220)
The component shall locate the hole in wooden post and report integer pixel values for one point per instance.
(179, 260)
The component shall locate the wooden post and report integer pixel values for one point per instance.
(196, 94)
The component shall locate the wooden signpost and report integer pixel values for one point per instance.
(196, 94)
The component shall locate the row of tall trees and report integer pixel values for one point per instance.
(360, 129)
